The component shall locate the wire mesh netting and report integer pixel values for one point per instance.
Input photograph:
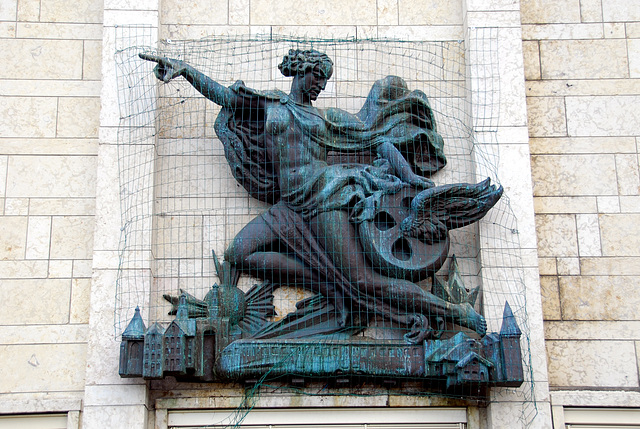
(184, 202)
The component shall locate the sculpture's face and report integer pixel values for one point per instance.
(314, 82)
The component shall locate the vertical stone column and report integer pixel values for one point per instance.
(494, 22)
(109, 400)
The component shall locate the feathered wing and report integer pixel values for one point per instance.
(437, 210)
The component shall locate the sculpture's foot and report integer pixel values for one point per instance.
(472, 319)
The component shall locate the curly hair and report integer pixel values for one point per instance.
(297, 62)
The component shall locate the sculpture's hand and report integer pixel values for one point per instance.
(418, 181)
(167, 68)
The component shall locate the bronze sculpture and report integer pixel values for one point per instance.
(359, 234)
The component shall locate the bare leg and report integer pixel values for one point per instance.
(337, 235)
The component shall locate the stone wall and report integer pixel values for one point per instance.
(50, 83)
(582, 70)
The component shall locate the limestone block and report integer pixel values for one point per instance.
(568, 266)
(513, 110)
(38, 237)
(80, 298)
(608, 204)
(601, 116)
(61, 206)
(584, 59)
(591, 10)
(550, 298)
(574, 145)
(82, 268)
(431, 12)
(388, 12)
(633, 45)
(78, 117)
(175, 12)
(633, 30)
(59, 269)
(13, 230)
(42, 59)
(239, 12)
(28, 10)
(49, 30)
(16, 206)
(23, 269)
(556, 235)
(610, 297)
(588, 235)
(601, 363)
(421, 32)
(628, 174)
(620, 11)
(8, 10)
(3, 175)
(577, 175)
(548, 11)
(630, 204)
(531, 53)
(617, 265)
(323, 12)
(27, 116)
(92, 60)
(85, 11)
(49, 334)
(58, 176)
(72, 237)
(620, 234)
(547, 266)
(94, 417)
(560, 205)
(562, 31)
(45, 301)
(614, 30)
(45, 367)
(546, 116)
(65, 88)
(7, 29)
(592, 330)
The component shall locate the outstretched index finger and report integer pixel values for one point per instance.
(150, 57)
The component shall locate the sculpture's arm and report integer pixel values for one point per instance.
(402, 168)
(169, 68)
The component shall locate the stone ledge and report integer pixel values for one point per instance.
(39, 406)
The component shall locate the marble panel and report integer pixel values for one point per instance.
(43, 334)
(8, 10)
(215, 12)
(23, 269)
(601, 363)
(78, 117)
(42, 59)
(513, 109)
(13, 230)
(608, 204)
(603, 116)
(633, 46)
(620, 11)
(61, 206)
(46, 367)
(239, 12)
(584, 59)
(43, 302)
(628, 174)
(630, 204)
(28, 10)
(546, 116)
(614, 30)
(27, 116)
(531, 53)
(562, 31)
(616, 265)
(58, 176)
(323, 12)
(568, 266)
(16, 206)
(592, 330)
(430, 12)
(92, 60)
(97, 417)
(550, 298)
(80, 298)
(588, 235)
(576, 145)
(7, 29)
(60, 269)
(388, 12)
(620, 234)
(72, 237)
(59, 87)
(82, 268)
(549, 11)
(48, 30)
(547, 266)
(564, 175)
(566, 205)
(591, 10)
(599, 297)
(633, 30)
(83, 11)
(556, 235)
(38, 237)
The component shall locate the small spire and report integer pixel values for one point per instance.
(135, 329)
(509, 325)
(183, 308)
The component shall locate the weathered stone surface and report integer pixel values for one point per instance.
(602, 363)
(388, 12)
(603, 116)
(556, 235)
(45, 334)
(588, 235)
(630, 204)
(8, 10)
(72, 237)
(323, 12)
(568, 266)
(85, 11)
(622, 266)
(577, 145)
(614, 30)
(620, 11)
(531, 60)
(239, 12)
(434, 12)
(38, 237)
(546, 116)
(28, 10)
(58, 176)
(23, 269)
(584, 59)
(599, 297)
(175, 12)
(591, 10)
(620, 234)
(82, 268)
(92, 60)
(550, 298)
(562, 31)
(608, 204)
(13, 230)
(573, 175)
(35, 302)
(59, 269)
(78, 117)
(592, 330)
(48, 30)
(547, 266)
(628, 174)
(42, 59)
(80, 297)
(565, 205)
(62, 206)
(46, 367)
(28, 117)
(547, 11)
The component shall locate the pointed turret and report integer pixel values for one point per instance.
(131, 347)
(510, 346)
(135, 329)
(509, 325)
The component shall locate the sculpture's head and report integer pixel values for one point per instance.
(310, 69)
